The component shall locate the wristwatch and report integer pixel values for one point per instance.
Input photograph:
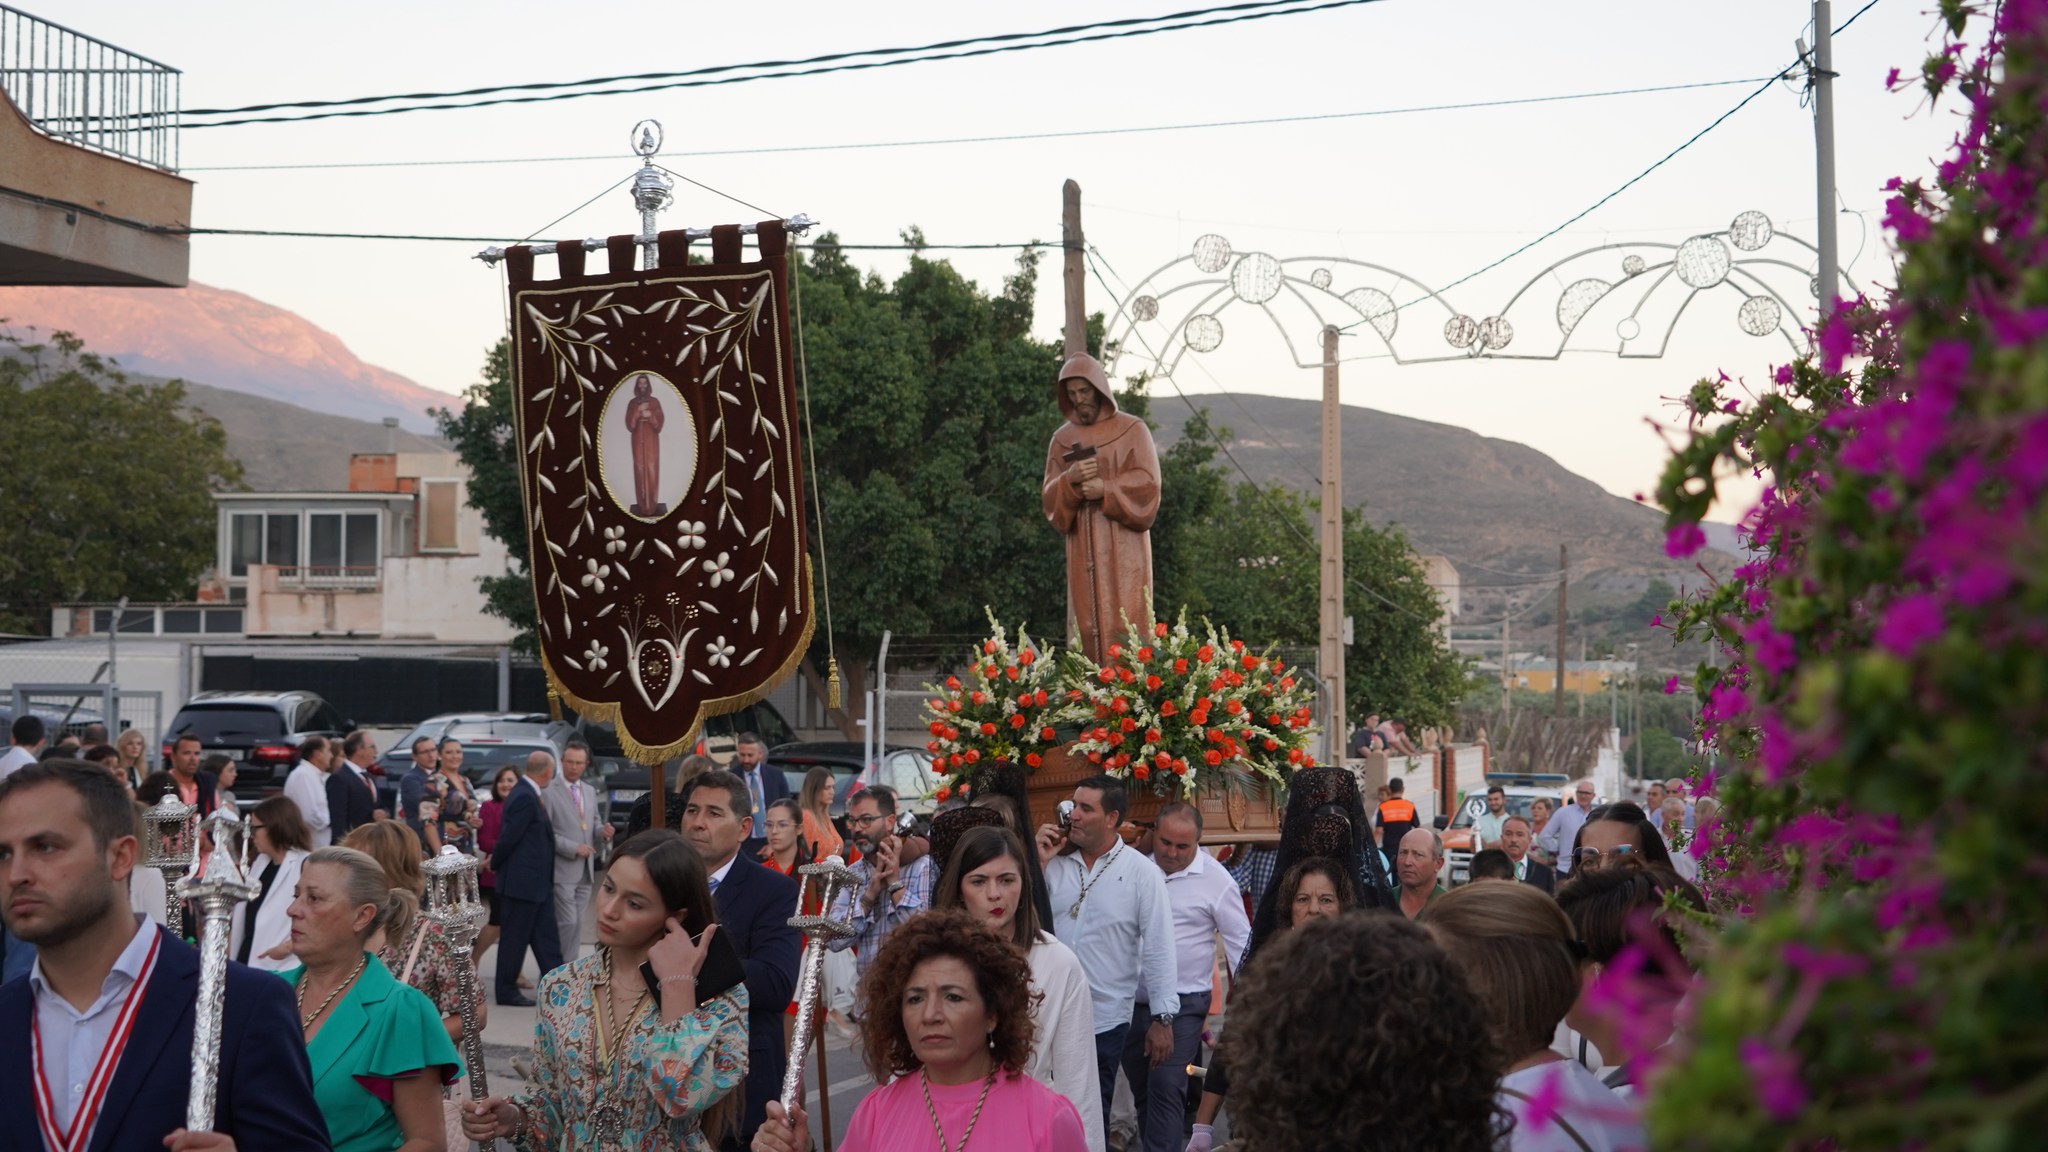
(1165, 1018)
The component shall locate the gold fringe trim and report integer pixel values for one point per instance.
(641, 753)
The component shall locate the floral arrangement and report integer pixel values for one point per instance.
(1182, 707)
(1874, 980)
(1008, 708)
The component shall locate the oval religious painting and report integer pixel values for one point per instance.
(646, 445)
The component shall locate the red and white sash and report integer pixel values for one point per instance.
(79, 1134)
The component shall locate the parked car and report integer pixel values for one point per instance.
(396, 760)
(842, 757)
(909, 771)
(261, 730)
(625, 781)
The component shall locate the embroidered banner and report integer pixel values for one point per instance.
(656, 416)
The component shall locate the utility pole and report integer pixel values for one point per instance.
(1557, 705)
(1074, 276)
(1332, 655)
(1507, 671)
(1821, 75)
(1582, 676)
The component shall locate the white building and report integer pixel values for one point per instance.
(395, 557)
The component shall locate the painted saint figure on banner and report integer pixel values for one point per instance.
(648, 463)
(644, 420)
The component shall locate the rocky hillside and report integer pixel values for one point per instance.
(229, 340)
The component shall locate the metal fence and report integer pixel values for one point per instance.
(89, 92)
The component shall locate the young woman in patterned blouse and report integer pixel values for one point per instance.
(619, 1064)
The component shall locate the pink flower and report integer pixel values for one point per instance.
(1671, 686)
(1909, 622)
(1683, 540)
(1774, 1073)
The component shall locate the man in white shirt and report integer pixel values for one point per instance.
(1109, 904)
(307, 788)
(1205, 904)
(1563, 828)
(28, 735)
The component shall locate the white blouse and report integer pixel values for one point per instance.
(1063, 1051)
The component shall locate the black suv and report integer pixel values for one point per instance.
(623, 781)
(261, 730)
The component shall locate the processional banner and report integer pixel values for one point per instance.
(656, 419)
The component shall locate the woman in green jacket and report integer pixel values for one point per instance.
(380, 1055)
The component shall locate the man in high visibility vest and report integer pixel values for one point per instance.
(1396, 818)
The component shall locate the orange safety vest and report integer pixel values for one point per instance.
(1397, 811)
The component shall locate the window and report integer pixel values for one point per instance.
(181, 620)
(338, 540)
(438, 517)
(262, 538)
(224, 620)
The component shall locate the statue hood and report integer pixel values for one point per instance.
(1082, 366)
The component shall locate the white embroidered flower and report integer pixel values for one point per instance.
(720, 569)
(594, 656)
(615, 540)
(721, 653)
(693, 534)
(594, 578)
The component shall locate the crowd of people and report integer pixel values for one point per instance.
(1050, 987)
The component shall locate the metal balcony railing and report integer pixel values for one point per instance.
(328, 576)
(89, 92)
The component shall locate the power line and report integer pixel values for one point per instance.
(992, 45)
(1631, 181)
(1264, 121)
(500, 239)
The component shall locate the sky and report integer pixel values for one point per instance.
(1435, 195)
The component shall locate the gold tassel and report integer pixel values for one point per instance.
(832, 698)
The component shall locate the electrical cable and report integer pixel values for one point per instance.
(1264, 121)
(993, 45)
(1630, 183)
(716, 192)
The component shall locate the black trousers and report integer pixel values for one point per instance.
(527, 924)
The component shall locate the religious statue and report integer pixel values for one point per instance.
(1102, 492)
(644, 420)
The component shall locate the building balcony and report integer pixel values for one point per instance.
(89, 193)
(336, 576)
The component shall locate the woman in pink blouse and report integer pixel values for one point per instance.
(953, 1050)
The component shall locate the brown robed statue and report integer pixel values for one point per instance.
(1102, 492)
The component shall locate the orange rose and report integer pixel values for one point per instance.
(938, 727)
(988, 647)
(1152, 736)
(1107, 675)
(988, 728)
(1010, 672)
(1144, 654)
(1033, 760)
(1039, 697)
(1119, 706)
(1180, 767)
(973, 756)
(1237, 645)
(943, 793)
(1180, 667)
(1294, 755)
(952, 706)
(1152, 683)
(1213, 757)
(1047, 735)
(1205, 653)
(1116, 651)
(1233, 707)
(1168, 708)
(1095, 757)
(1272, 745)
(1141, 772)
(1128, 724)
(1016, 721)
(955, 760)
(953, 683)
(1159, 629)
(979, 698)
(1027, 657)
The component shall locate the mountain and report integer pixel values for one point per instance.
(229, 340)
(285, 448)
(1482, 502)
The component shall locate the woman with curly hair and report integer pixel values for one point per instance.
(1357, 1032)
(985, 873)
(1522, 959)
(949, 1027)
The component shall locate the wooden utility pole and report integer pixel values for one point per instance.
(1075, 273)
(1332, 655)
(1557, 708)
(1507, 671)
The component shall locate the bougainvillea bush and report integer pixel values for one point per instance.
(1880, 976)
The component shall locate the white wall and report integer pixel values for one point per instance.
(437, 597)
(144, 665)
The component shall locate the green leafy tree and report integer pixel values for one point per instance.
(108, 485)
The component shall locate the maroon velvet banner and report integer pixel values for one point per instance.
(657, 423)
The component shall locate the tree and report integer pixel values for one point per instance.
(108, 485)
(1876, 981)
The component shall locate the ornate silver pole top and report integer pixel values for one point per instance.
(652, 193)
(832, 875)
(169, 837)
(226, 876)
(453, 898)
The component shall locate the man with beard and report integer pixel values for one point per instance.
(96, 1045)
(895, 878)
(1101, 491)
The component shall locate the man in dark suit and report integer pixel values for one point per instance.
(351, 793)
(754, 906)
(1515, 837)
(109, 986)
(524, 861)
(765, 785)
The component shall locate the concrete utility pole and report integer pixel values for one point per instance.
(1821, 74)
(1507, 671)
(1332, 655)
(1557, 706)
(1075, 274)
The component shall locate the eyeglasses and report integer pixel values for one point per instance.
(255, 827)
(861, 821)
(1591, 856)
